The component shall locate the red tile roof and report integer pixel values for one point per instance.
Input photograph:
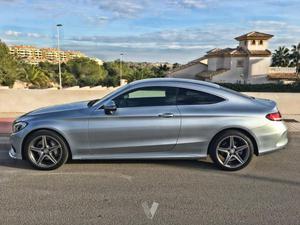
(239, 51)
(191, 63)
(254, 35)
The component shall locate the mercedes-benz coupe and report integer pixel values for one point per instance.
(163, 118)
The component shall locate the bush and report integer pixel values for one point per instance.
(271, 87)
(68, 79)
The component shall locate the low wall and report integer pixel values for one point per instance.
(20, 101)
(282, 70)
(288, 103)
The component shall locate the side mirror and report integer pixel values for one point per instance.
(110, 107)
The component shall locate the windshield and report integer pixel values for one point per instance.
(95, 101)
(92, 102)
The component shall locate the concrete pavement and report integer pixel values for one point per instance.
(188, 192)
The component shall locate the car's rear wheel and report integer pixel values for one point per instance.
(46, 150)
(231, 150)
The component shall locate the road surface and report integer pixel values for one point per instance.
(187, 192)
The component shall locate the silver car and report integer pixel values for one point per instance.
(152, 119)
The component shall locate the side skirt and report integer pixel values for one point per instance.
(140, 156)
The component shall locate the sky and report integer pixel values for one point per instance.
(147, 30)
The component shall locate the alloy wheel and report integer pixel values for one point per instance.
(233, 151)
(45, 151)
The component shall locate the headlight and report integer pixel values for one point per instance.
(18, 126)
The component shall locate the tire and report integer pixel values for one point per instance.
(231, 150)
(46, 150)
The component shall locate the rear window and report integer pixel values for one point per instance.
(236, 93)
(193, 97)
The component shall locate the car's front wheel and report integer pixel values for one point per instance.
(231, 150)
(46, 150)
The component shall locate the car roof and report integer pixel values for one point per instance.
(175, 80)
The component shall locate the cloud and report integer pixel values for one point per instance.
(171, 30)
(103, 18)
(22, 35)
(12, 33)
(268, 23)
(9, 1)
(106, 53)
(185, 44)
(34, 35)
(194, 4)
(98, 19)
(165, 39)
(235, 4)
(122, 8)
(173, 45)
(284, 33)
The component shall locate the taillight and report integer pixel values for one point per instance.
(274, 116)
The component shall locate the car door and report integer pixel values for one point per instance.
(146, 120)
(200, 119)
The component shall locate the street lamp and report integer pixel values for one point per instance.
(121, 58)
(59, 67)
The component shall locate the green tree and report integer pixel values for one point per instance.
(281, 57)
(9, 67)
(113, 73)
(159, 71)
(137, 74)
(51, 70)
(175, 65)
(35, 76)
(68, 79)
(87, 72)
(295, 57)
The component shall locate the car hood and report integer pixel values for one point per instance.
(59, 108)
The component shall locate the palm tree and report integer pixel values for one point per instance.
(36, 76)
(295, 58)
(281, 57)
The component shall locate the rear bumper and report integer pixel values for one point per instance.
(271, 151)
(272, 137)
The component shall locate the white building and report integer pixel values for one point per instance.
(249, 62)
(99, 61)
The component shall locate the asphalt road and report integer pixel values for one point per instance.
(188, 192)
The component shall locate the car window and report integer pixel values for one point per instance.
(193, 97)
(149, 96)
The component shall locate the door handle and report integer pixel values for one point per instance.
(166, 115)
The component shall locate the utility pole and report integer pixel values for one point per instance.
(121, 58)
(59, 66)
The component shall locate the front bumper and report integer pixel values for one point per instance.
(16, 140)
(12, 153)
